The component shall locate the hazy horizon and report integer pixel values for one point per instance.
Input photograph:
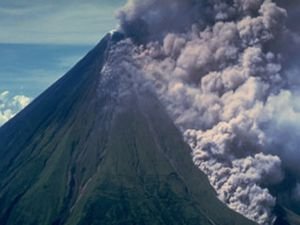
(41, 41)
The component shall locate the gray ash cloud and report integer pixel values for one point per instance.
(222, 70)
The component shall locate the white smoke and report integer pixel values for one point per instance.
(11, 105)
(213, 66)
(283, 115)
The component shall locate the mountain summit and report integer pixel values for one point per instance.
(91, 151)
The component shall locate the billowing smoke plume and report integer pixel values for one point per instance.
(214, 65)
(11, 105)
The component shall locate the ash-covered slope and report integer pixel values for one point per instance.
(79, 155)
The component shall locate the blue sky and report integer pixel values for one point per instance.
(28, 69)
(53, 21)
(41, 40)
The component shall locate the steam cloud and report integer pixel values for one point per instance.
(215, 66)
(10, 106)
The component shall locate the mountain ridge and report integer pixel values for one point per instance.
(71, 158)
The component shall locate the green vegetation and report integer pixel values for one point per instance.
(72, 158)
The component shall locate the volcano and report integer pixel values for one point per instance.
(87, 153)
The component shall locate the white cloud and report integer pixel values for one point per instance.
(11, 105)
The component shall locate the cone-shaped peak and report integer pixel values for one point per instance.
(88, 152)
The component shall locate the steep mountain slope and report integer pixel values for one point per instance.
(78, 155)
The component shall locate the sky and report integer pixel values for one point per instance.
(56, 22)
(41, 40)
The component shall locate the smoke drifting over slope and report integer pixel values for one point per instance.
(214, 66)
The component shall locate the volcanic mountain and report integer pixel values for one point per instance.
(86, 152)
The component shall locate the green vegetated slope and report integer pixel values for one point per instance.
(75, 158)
